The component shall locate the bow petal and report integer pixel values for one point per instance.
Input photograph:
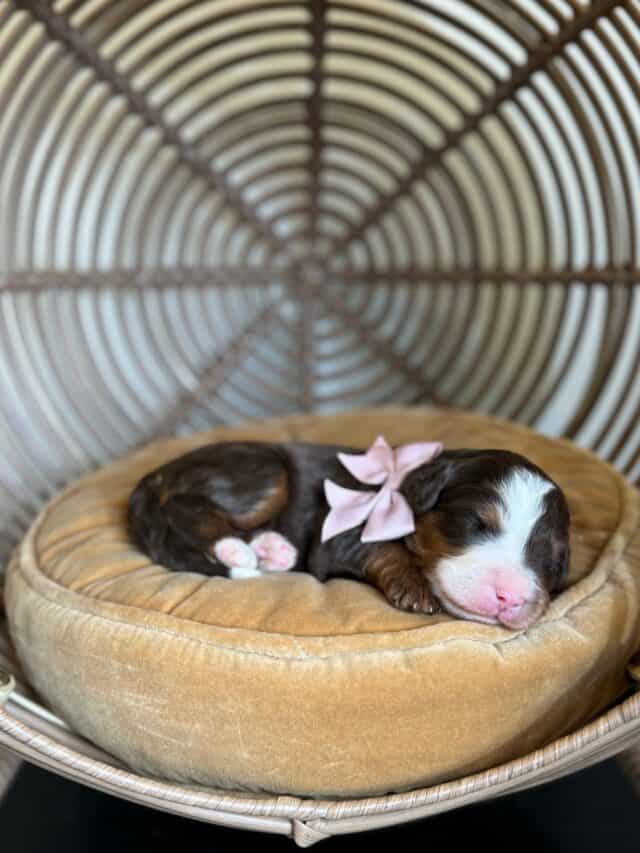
(372, 467)
(349, 509)
(391, 517)
(412, 456)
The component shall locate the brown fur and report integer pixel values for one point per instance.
(428, 541)
(394, 570)
(270, 504)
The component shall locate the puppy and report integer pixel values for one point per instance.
(490, 540)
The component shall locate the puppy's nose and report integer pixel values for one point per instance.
(512, 587)
(508, 598)
(520, 602)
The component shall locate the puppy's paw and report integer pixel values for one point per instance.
(409, 591)
(275, 553)
(237, 556)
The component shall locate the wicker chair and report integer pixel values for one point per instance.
(214, 211)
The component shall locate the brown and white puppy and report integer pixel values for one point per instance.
(492, 529)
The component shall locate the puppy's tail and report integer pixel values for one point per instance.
(150, 525)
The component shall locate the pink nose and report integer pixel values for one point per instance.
(519, 601)
(512, 587)
(509, 596)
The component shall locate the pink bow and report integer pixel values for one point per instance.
(389, 514)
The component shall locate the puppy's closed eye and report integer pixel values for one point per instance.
(478, 524)
(464, 522)
(486, 519)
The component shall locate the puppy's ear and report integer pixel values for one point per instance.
(561, 556)
(557, 522)
(423, 487)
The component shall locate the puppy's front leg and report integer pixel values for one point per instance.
(393, 569)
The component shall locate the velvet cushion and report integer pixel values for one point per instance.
(284, 684)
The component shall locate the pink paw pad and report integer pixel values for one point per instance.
(237, 556)
(275, 553)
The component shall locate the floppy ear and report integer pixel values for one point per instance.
(561, 555)
(423, 487)
(564, 561)
(558, 522)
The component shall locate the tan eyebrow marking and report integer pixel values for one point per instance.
(489, 512)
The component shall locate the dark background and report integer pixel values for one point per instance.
(594, 810)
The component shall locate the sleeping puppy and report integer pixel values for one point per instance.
(490, 540)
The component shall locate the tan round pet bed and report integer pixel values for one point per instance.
(282, 684)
